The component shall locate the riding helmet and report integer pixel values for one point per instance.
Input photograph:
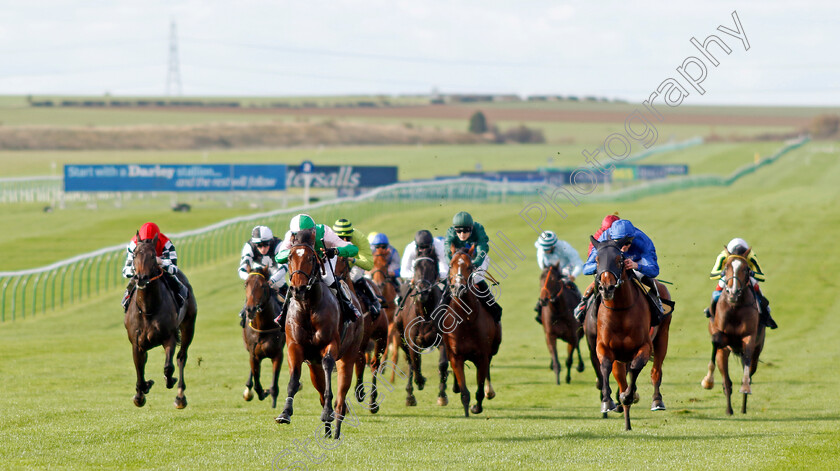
(380, 239)
(261, 234)
(548, 239)
(462, 219)
(343, 228)
(301, 222)
(423, 239)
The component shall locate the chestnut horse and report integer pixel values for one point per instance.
(475, 336)
(557, 303)
(418, 329)
(382, 279)
(315, 333)
(152, 320)
(624, 334)
(263, 337)
(735, 327)
(374, 338)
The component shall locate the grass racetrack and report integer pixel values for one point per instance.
(67, 378)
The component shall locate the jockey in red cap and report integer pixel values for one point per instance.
(167, 258)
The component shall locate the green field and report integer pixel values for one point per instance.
(67, 377)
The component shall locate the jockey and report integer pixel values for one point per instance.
(359, 264)
(640, 256)
(466, 233)
(557, 253)
(328, 244)
(167, 259)
(380, 242)
(739, 246)
(430, 247)
(605, 224)
(260, 250)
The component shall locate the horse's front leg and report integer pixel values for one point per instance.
(605, 365)
(746, 364)
(708, 381)
(360, 377)
(276, 363)
(295, 359)
(255, 371)
(551, 342)
(723, 366)
(168, 365)
(410, 400)
(481, 373)
(345, 379)
(580, 366)
(142, 387)
(247, 394)
(443, 373)
(570, 360)
(327, 413)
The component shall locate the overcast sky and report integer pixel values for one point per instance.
(280, 48)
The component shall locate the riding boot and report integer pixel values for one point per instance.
(242, 317)
(181, 293)
(764, 312)
(655, 317)
(346, 305)
(281, 319)
(580, 309)
(538, 310)
(129, 290)
(491, 304)
(574, 288)
(370, 297)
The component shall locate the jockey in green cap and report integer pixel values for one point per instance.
(328, 244)
(466, 233)
(359, 264)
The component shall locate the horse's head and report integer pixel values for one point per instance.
(460, 268)
(610, 262)
(303, 264)
(425, 276)
(380, 266)
(257, 294)
(146, 268)
(342, 267)
(736, 275)
(552, 284)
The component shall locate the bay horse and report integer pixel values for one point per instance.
(735, 327)
(418, 330)
(151, 320)
(374, 338)
(623, 331)
(382, 280)
(316, 333)
(557, 303)
(475, 336)
(262, 336)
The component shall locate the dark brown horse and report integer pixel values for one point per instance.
(263, 337)
(557, 303)
(382, 279)
(475, 336)
(152, 320)
(735, 327)
(624, 335)
(316, 333)
(417, 328)
(374, 338)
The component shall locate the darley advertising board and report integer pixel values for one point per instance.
(142, 177)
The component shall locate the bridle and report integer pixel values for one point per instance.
(617, 273)
(459, 279)
(556, 297)
(144, 280)
(736, 291)
(316, 265)
(258, 308)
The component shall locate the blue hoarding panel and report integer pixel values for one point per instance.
(145, 177)
(342, 176)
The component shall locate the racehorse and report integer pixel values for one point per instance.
(475, 336)
(152, 319)
(623, 334)
(374, 338)
(263, 337)
(418, 330)
(315, 333)
(735, 327)
(382, 280)
(557, 303)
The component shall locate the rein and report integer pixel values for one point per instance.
(604, 303)
(264, 331)
(556, 297)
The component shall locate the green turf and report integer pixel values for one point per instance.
(68, 379)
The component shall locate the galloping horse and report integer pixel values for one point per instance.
(380, 278)
(735, 327)
(315, 333)
(476, 337)
(374, 339)
(152, 320)
(263, 338)
(557, 303)
(624, 334)
(417, 328)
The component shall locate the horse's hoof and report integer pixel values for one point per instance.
(262, 395)
(180, 402)
(455, 388)
(489, 393)
(360, 393)
(170, 382)
(607, 407)
(657, 404)
(707, 383)
(476, 409)
(580, 368)
(421, 382)
(443, 401)
(411, 401)
(619, 409)
(568, 380)
(635, 397)
(148, 386)
(745, 390)
(284, 418)
(374, 408)
(139, 401)
(247, 394)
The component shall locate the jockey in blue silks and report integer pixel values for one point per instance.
(640, 256)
